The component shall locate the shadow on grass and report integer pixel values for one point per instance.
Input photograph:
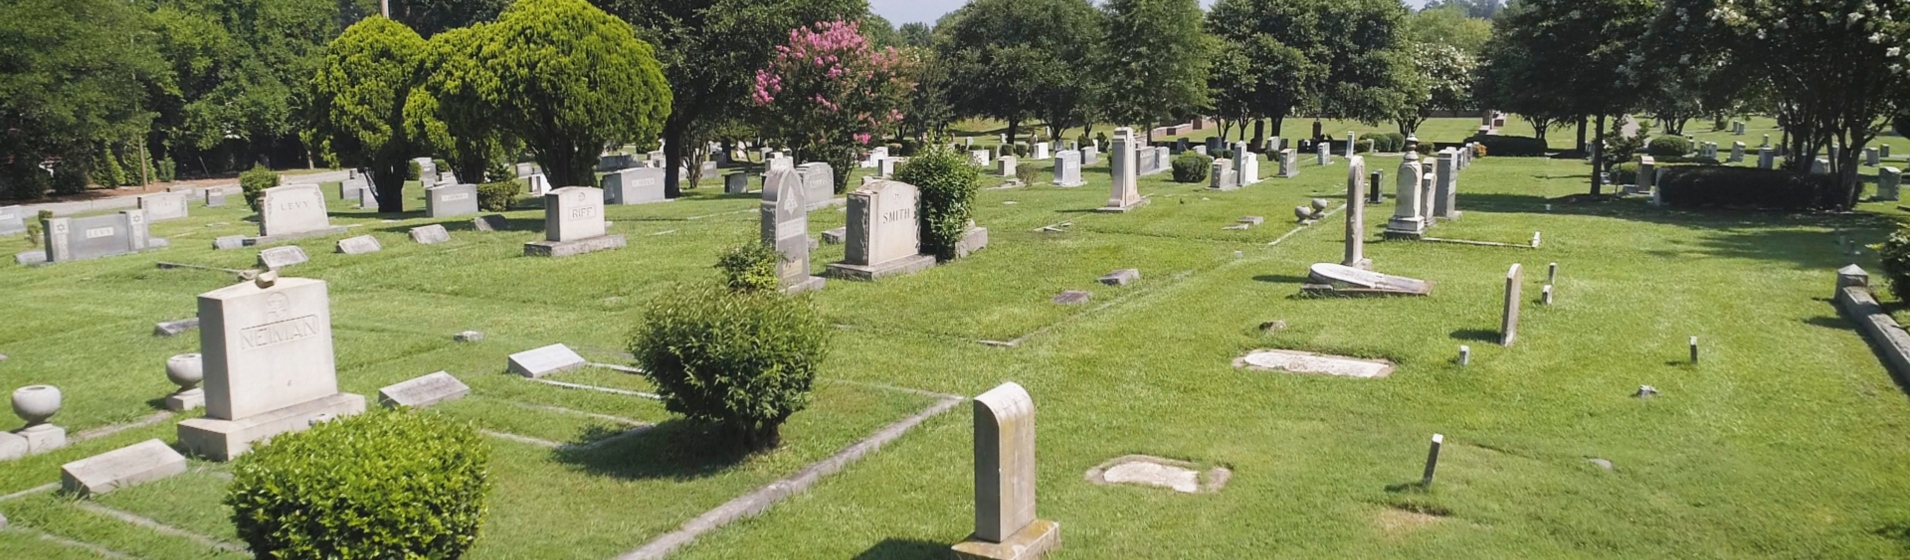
(1280, 279)
(1476, 335)
(904, 549)
(676, 449)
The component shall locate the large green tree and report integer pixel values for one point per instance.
(450, 111)
(1017, 60)
(431, 17)
(75, 76)
(571, 81)
(1330, 58)
(1154, 58)
(358, 103)
(1451, 25)
(710, 50)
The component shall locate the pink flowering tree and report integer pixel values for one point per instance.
(828, 94)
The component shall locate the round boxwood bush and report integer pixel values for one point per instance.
(1191, 167)
(1672, 146)
(413, 171)
(254, 182)
(1625, 173)
(751, 267)
(498, 196)
(742, 361)
(1895, 258)
(948, 186)
(384, 484)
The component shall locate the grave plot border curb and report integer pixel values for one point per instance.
(1858, 303)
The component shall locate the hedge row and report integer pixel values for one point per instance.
(1702, 186)
(1510, 146)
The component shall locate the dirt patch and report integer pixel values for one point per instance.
(1396, 521)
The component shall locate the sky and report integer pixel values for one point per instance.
(899, 12)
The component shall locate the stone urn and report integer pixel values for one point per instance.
(36, 403)
(185, 370)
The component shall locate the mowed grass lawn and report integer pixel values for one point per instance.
(1787, 440)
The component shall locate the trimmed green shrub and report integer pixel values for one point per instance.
(948, 187)
(69, 179)
(1027, 174)
(254, 182)
(1895, 258)
(165, 170)
(413, 171)
(1389, 142)
(743, 362)
(751, 268)
(442, 166)
(1673, 146)
(1625, 173)
(1509, 146)
(498, 196)
(37, 227)
(23, 182)
(1226, 154)
(1700, 186)
(498, 170)
(1191, 167)
(1021, 150)
(383, 484)
(107, 171)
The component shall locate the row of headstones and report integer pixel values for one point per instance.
(883, 235)
(1427, 192)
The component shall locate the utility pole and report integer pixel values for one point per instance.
(384, 8)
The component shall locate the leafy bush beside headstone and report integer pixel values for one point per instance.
(254, 181)
(413, 170)
(1508, 146)
(947, 186)
(1191, 167)
(1695, 186)
(1625, 173)
(165, 170)
(498, 196)
(384, 484)
(1669, 146)
(1895, 258)
(744, 362)
(751, 268)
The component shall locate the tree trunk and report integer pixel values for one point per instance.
(674, 132)
(1581, 133)
(1013, 125)
(388, 182)
(1598, 163)
(1259, 132)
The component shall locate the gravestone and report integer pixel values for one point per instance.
(886, 167)
(1407, 223)
(1872, 157)
(1766, 159)
(1509, 324)
(539, 184)
(1289, 163)
(1820, 166)
(818, 183)
(1351, 139)
(538, 362)
(141, 462)
(1163, 161)
(228, 242)
(1221, 178)
(162, 207)
(1005, 166)
(1006, 526)
(1067, 169)
(1041, 150)
(423, 391)
(430, 235)
(1341, 280)
(638, 185)
(1326, 154)
(359, 245)
(74, 239)
(1246, 167)
(979, 158)
(1124, 169)
(1090, 155)
(613, 162)
(1213, 144)
(214, 197)
(1121, 277)
(12, 220)
(293, 212)
(884, 235)
(1647, 175)
(1889, 179)
(1883, 151)
(785, 227)
(1375, 194)
(1737, 152)
(738, 182)
(268, 362)
(1356, 214)
(573, 224)
(1446, 185)
(353, 189)
(451, 200)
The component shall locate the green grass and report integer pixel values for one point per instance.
(1785, 442)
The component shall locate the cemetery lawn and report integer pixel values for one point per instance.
(1787, 440)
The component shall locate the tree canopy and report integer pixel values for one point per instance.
(1155, 58)
(358, 107)
(1017, 60)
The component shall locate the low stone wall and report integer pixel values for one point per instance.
(1857, 302)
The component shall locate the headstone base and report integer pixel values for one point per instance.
(31, 441)
(577, 247)
(975, 240)
(186, 400)
(814, 283)
(1070, 185)
(145, 461)
(264, 240)
(1030, 543)
(1122, 209)
(897, 267)
(222, 440)
(1412, 229)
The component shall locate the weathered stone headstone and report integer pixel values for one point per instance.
(73, 239)
(638, 185)
(359, 245)
(1326, 154)
(420, 392)
(979, 158)
(430, 235)
(1820, 166)
(1246, 167)
(353, 189)
(1883, 151)
(1737, 152)
(539, 184)
(1647, 174)
(1121, 277)
(1446, 185)
(818, 183)
(291, 212)
(215, 197)
(884, 235)
(145, 461)
(451, 200)
(1509, 325)
(12, 220)
(1872, 157)
(1090, 155)
(1005, 166)
(1124, 168)
(1067, 169)
(1407, 222)
(1766, 159)
(175, 328)
(1041, 151)
(161, 207)
(1221, 177)
(539, 362)
(736, 183)
(573, 224)
(1289, 163)
(268, 362)
(1356, 214)
(1889, 179)
(785, 227)
(1006, 526)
